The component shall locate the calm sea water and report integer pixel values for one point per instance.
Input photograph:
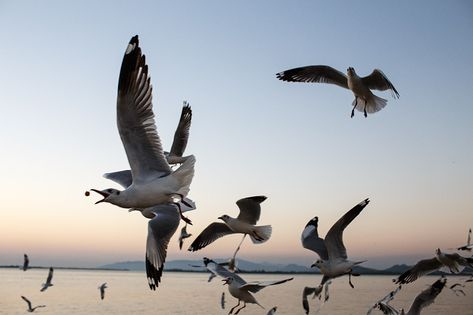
(75, 292)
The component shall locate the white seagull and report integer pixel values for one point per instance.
(468, 245)
(153, 180)
(333, 260)
(250, 210)
(26, 262)
(452, 263)
(241, 289)
(102, 288)
(31, 309)
(426, 297)
(183, 236)
(48, 280)
(361, 87)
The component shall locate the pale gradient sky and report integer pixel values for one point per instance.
(251, 133)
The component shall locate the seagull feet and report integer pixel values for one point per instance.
(353, 112)
(349, 279)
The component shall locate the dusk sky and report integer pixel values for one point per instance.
(251, 133)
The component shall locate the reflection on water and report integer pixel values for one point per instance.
(76, 292)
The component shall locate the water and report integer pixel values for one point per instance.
(75, 292)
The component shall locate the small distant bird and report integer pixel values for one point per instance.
(468, 245)
(452, 263)
(31, 309)
(383, 304)
(222, 301)
(426, 297)
(183, 236)
(26, 262)
(153, 180)
(272, 311)
(241, 290)
(218, 269)
(456, 290)
(250, 210)
(102, 288)
(48, 280)
(361, 87)
(333, 260)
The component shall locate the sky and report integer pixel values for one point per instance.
(251, 133)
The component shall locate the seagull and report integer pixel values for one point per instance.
(361, 87)
(456, 290)
(250, 211)
(183, 236)
(31, 309)
(468, 245)
(48, 280)
(272, 311)
(383, 304)
(102, 288)
(26, 262)
(333, 261)
(452, 263)
(153, 180)
(241, 289)
(426, 297)
(218, 269)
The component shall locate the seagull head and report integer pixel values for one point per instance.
(224, 218)
(108, 194)
(228, 281)
(351, 71)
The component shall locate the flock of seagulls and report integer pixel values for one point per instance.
(157, 184)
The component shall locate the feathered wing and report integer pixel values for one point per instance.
(250, 209)
(160, 230)
(211, 233)
(334, 238)
(378, 81)
(306, 292)
(135, 118)
(310, 239)
(384, 302)
(27, 301)
(426, 297)
(256, 286)
(124, 178)
(422, 267)
(181, 136)
(315, 74)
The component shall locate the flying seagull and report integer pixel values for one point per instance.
(218, 269)
(468, 245)
(48, 280)
(26, 262)
(308, 291)
(183, 236)
(250, 210)
(452, 263)
(426, 297)
(361, 87)
(153, 180)
(241, 289)
(102, 288)
(31, 309)
(383, 304)
(333, 260)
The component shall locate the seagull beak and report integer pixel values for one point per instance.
(313, 265)
(220, 218)
(225, 281)
(104, 195)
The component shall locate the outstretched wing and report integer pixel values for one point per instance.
(27, 301)
(135, 118)
(427, 297)
(334, 238)
(181, 136)
(211, 233)
(124, 178)
(310, 239)
(256, 286)
(378, 81)
(50, 275)
(250, 209)
(160, 230)
(422, 267)
(316, 74)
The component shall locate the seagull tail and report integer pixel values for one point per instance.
(184, 175)
(261, 234)
(375, 104)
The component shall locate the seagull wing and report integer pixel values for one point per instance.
(182, 131)
(135, 118)
(427, 297)
(310, 239)
(316, 74)
(422, 267)
(211, 233)
(378, 81)
(334, 238)
(27, 301)
(160, 230)
(124, 178)
(218, 269)
(256, 286)
(26, 262)
(50, 275)
(250, 209)
(305, 304)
